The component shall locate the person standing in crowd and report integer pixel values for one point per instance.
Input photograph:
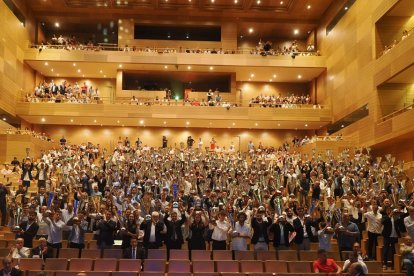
(106, 227)
(174, 237)
(153, 231)
(260, 224)
(409, 222)
(347, 233)
(302, 226)
(28, 230)
(55, 227)
(391, 231)
(27, 169)
(42, 173)
(164, 142)
(4, 191)
(241, 233)
(282, 230)
(374, 228)
(79, 226)
(221, 228)
(198, 228)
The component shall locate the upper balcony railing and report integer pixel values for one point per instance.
(396, 113)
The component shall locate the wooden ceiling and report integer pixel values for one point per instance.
(287, 14)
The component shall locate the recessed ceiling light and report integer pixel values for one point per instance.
(71, 120)
(57, 75)
(346, 8)
(256, 124)
(274, 76)
(251, 30)
(299, 76)
(57, 25)
(250, 79)
(212, 1)
(165, 66)
(141, 122)
(295, 31)
(281, 2)
(83, 76)
(51, 70)
(46, 63)
(189, 67)
(43, 120)
(258, 2)
(120, 65)
(236, 1)
(233, 124)
(79, 70)
(165, 122)
(187, 123)
(308, 7)
(270, 80)
(104, 76)
(94, 121)
(100, 71)
(117, 121)
(306, 125)
(74, 64)
(278, 124)
(4, 119)
(211, 67)
(342, 126)
(252, 75)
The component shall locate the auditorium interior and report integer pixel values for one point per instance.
(336, 75)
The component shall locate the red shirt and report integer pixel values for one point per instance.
(328, 267)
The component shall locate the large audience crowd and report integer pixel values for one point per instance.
(219, 199)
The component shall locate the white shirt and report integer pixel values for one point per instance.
(24, 252)
(55, 231)
(374, 222)
(409, 225)
(152, 233)
(240, 243)
(220, 230)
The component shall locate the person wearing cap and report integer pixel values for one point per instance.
(76, 236)
(28, 230)
(153, 231)
(241, 233)
(18, 251)
(391, 231)
(42, 251)
(282, 231)
(260, 224)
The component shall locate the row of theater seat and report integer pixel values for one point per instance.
(177, 266)
(286, 255)
(124, 273)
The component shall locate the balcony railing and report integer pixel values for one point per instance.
(396, 113)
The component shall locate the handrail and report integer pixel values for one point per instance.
(171, 50)
(397, 112)
(31, 133)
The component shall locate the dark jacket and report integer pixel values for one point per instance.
(13, 272)
(259, 229)
(26, 169)
(139, 255)
(37, 250)
(387, 229)
(146, 226)
(275, 229)
(297, 225)
(106, 232)
(170, 228)
(28, 234)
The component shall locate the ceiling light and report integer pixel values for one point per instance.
(346, 8)
(74, 64)
(308, 7)
(295, 31)
(278, 124)
(79, 70)
(51, 70)
(57, 25)
(299, 76)
(281, 2)
(250, 79)
(236, 1)
(211, 67)
(46, 64)
(4, 118)
(83, 76)
(189, 67)
(165, 66)
(165, 122)
(43, 120)
(58, 75)
(258, 2)
(251, 30)
(274, 76)
(94, 121)
(100, 71)
(187, 123)
(104, 76)
(252, 75)
(256, 124)
(234, 124)
(120, 65)
(71, 120)
(117, 121)
(212, 1)
(270, 80)
(342, 126)
(306, 125)
(141, 122)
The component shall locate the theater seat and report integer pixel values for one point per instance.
(227, 266)
(30, 264)
(221, 255)
(151, 273)
(56, 264)
(154, 266)
(80, 265)
(374, 267)
(105, 265)
(203, 266)
(69, 253)
(34, 272)
(299, 267)
(179, 254)
(266, 255)
(157, 254)
(182, 266)
(287, 255)
(129, 265)
(112, 254)
(244, 255)
(251, 266)
(198, 255)
(308, 255)
(124, 273)
(91, 253)
(276, 266)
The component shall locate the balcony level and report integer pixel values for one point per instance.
(175, 115)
